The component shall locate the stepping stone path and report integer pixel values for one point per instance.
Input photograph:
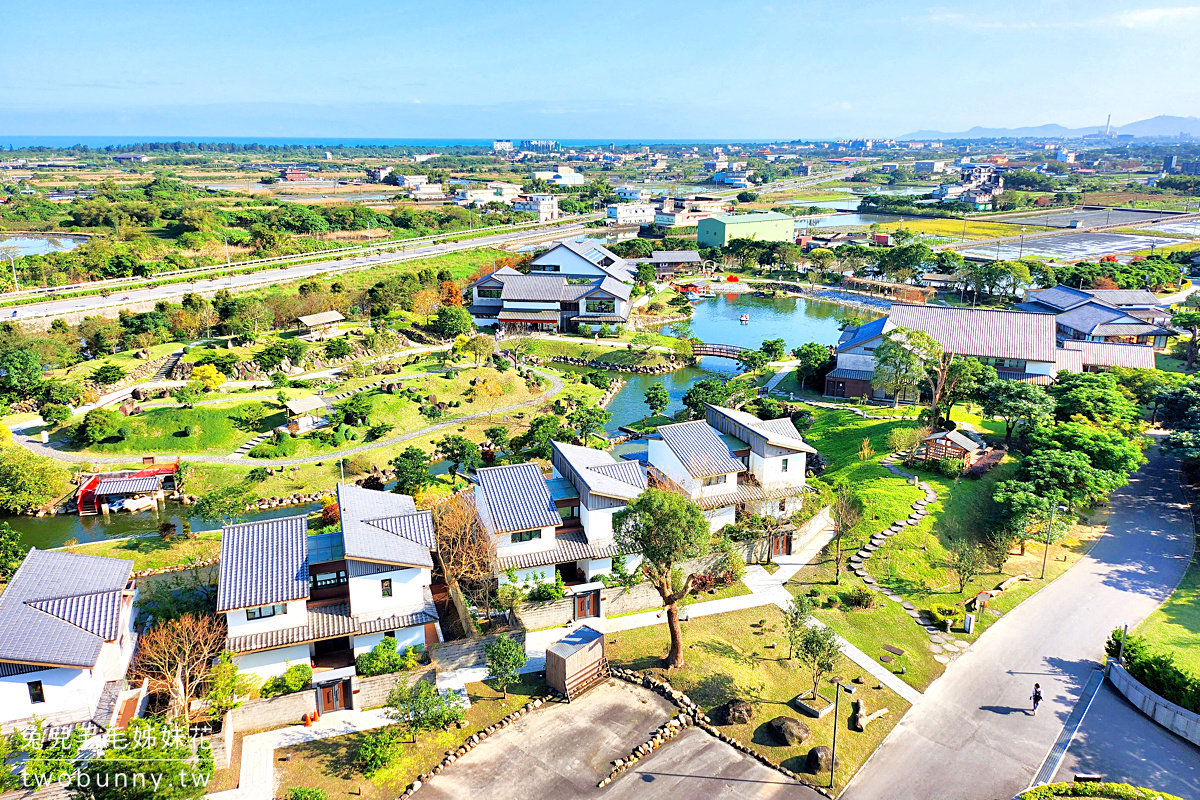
(863, 554)
(935, 648)
(886, 659)
(867, 579)
(941, 659)
(908, 606)
(891, 648)
(862, 573)
(870, 547)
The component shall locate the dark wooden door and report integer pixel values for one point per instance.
(781, 545)
(331, 697)
(587, 605)
(839, 389)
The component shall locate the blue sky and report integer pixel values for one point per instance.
(617, 69)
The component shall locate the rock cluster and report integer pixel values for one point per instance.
(639, 369)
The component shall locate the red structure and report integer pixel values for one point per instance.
(86, 500)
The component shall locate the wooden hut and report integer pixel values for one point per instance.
(951, 444)
(576, 662)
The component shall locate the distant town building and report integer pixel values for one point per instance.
(540, 145)
(633, 193)
(502, 146)
(130, 158)
(411, 181)
(683, 212)
(929, 167)
(544, 205)
(764, 226)
(1065, 156)
(492, 192)
(1170, 164)
(378, 173)
(293, 174)
(979, 185)
(630, 213)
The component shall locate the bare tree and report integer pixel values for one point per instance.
(465, 550)
(177, 655)
(846, 510)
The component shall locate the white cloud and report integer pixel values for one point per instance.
(1152, 17)
(1140, 18)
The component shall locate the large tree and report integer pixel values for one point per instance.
(899, 366)
(1093, 395)
(657, 398)
(177, 655)
(1066, 474)
(811, 359)
(1016, 403)
(460, 452)
(1189, 320)
(29, 481)
(1106, 449)
(465, 551)
(666, 529)
(412, 470)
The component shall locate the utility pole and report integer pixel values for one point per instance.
(837, 695)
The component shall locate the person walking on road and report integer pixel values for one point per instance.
(1036, 697)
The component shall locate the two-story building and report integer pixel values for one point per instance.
(733, 459)
(66, 640)
(290, 597)
(629, 214)
(558, 523)
(545, 205)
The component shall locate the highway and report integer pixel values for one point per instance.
(117, 298)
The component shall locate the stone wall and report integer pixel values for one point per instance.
(287, 709)
(222, 743)
(1172, 717)
(372, 692)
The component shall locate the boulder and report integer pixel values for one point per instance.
(737, 712)
(819, 759)
(789, 731)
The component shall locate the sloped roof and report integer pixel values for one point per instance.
(538, 288)
(1059, 298)
(675, 257)
(699, 448)
(499, 276)
(514, 497)
(1090, 316)
(572, 546)
(593, 252)
(980, 332)
(1125, 297)
(574, 641)
(323, 318)
(1070, 360)
(613, 287)
(963, 441)
(853, 337)
(145, 483)
(1112, 354)
(779, 432)
(263, 563)
(60, 608)
(384, 526)
(303, 405)
(601, 472)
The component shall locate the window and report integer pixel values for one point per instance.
(262, 612)
(386, 587)
(601, 306)
(492, 293)
(714, 480)
(324, 580)
(525, 536)
(389, 634)
(569, 513)
(36, 695)
(783, 465)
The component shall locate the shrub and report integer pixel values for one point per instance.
(858, 598)
(191, 430)
(378, 749)
(307, 793)
(951, 614)
(384, 658)
(951, 467)
(124, 432)
(293, 679)
(548, 591)
(1157, 671)
(257, 475)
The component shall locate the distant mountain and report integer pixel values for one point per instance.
(1161, 125)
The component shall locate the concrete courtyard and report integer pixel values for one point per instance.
(562, 750)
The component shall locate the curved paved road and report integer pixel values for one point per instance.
(971, 737)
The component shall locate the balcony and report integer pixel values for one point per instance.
(333, 666)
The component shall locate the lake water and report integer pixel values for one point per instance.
(716, 321)
(39, 245)
(57, 530)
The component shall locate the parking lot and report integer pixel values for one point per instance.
(561, 751)
(1069, 246)
(1088, 219)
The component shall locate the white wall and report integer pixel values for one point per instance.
(296, 616)
(856, 360)
(366, 592)
(269, 663)
(64, 690)
(570, 264)
(769, 471)
(598, 524)
(1041, 368)
(592, 568)
(506, 547)
(720, 517)
(663, 457)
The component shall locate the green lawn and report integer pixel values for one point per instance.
(155, 553)
(161, 430)
(1175, 626)
(127, 360)
(650, 424)
(743, 654)
(622, 356)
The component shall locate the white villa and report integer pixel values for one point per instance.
(66, 640)
(732, 458)
(290, 597)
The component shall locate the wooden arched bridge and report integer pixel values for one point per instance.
(720, 350)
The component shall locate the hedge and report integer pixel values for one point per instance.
(1119, 791)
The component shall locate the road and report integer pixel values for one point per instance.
(972, 736)
(93, 304)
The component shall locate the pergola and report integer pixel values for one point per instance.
(903, 291)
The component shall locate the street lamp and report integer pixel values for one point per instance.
(8, 252)
(1021, 251)
(1049, 530)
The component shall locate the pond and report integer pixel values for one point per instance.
(716, 321)
(57, 530)
(33, 245)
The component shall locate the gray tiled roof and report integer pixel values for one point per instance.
(321, 318)
(568, 547)
(980, 332)
(602, 473)
(1122, 328)
(851, 374)
(1070, 360)
(1087, 317)
(514, 497)
(263, 562)
(60, 608)
(963, 441)
(853, 337)
(612, 287)
(383, 526)
(1059, 297)
(1112, 354)
(1125, 297)
(528, 315)
(779, 432)
(1026, 377)
(675, 256)
(699, 448)
(534, 288)
(146, 483)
